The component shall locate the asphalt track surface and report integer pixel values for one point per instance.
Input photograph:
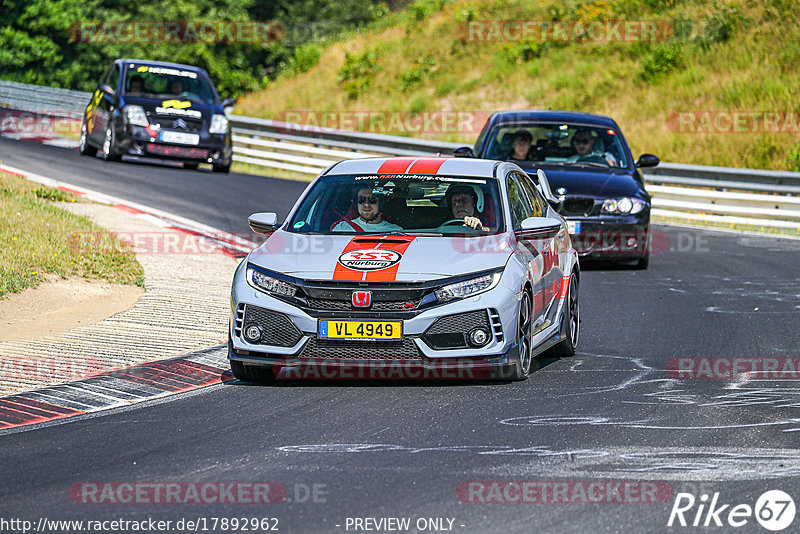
(612, 413)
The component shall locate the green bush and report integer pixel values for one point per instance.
(793, 159)
(420, 69)
(305, 57)
(358, 72)
(662, 60)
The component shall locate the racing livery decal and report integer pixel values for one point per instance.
(371, 258)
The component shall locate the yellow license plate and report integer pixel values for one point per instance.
(360, 329)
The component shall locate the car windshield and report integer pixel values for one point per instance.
(558, 144)
(403, 204)
(168, 83)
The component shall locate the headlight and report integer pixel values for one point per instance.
(467, 288)
(623, 206)
(269, 284)
(135, 116)
(219, 125)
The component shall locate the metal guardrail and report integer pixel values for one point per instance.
(698, 192)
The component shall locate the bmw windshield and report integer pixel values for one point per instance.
(558, 144)
(403, 204)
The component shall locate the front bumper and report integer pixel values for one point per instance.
(305, 353)
(612, 238)
(212, 148)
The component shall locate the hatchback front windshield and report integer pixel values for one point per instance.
(168, 83)
(558, 144)
(405, 204)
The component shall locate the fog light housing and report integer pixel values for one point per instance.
(478, 337)
(252, 333)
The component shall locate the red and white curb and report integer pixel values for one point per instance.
(226, 242)
(114, 389)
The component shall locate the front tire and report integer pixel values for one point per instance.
(110, 146)
(643, 262)
(252, 373)
(524, 337)
(571, 322)
(222, 168)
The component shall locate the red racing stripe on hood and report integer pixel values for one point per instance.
(397, 244)
(390, 273)
(346, 273)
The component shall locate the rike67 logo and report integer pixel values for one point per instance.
(774, 510)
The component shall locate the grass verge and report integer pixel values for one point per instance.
(38, 238)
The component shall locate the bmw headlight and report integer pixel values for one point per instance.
(219, 124)
(623, 205)
(269, 284)
(135, 116)
(467, 288)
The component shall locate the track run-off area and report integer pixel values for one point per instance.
(685, 382)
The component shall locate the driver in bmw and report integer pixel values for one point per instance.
(370, 217)
(462, 200)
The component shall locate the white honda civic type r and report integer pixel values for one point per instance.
(408, 268)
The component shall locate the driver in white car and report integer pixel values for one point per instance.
(370, 215)
(463, 200)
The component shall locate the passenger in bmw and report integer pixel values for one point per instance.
(464, 201)
(370, 217)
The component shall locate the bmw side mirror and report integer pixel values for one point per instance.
(647, 160)
(463, 152)
(263, 223)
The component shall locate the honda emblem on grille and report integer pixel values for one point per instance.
(362, 299)
(179, 123)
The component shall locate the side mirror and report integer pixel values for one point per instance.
(105, 88)
(263, 223)
(544, 188)
(227, 107)
(463, 152)
(541, 224)
(647, 160)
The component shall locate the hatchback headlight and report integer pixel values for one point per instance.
(467, 288)
(135, 116)
(219, 124)
(269, 284)
(623, 205)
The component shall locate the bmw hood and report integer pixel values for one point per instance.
(380, 258)
(593, 183)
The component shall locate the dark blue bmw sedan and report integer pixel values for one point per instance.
(591, 170)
